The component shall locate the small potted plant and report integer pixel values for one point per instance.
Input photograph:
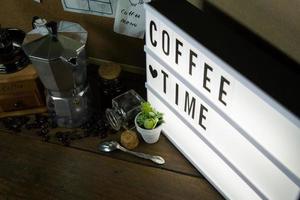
(149, 123)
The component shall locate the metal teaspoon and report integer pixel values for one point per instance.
(114, 145)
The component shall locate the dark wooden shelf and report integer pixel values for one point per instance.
(32, 169)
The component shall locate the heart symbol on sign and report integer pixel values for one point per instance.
(153, 72)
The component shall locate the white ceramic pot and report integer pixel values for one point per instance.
(149, 135)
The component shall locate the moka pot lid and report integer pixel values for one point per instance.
(55, 40)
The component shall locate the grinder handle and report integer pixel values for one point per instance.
(52, 27)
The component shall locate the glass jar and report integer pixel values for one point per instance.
(109, 83)
(124, 109)
(110, 74)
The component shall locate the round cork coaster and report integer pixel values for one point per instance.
(109, 71)
(129, 139)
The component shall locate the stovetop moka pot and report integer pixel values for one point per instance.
(57, 51)
(59, 56)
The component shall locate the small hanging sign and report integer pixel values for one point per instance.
(130, 18)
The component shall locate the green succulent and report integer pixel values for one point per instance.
(149, 118)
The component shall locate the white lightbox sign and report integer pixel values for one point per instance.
(203, 158)
(256, 136)
(235, 149)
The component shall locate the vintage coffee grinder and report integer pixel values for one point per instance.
(20, 90)
(12, 57)
(57, 51)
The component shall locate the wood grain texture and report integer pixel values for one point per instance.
(28, 73)
(3, 114)
(175, 161)
(102, 43)
(30, 169)
(21, 93)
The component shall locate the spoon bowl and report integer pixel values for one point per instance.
(108, 146)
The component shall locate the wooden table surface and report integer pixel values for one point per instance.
(33, 169)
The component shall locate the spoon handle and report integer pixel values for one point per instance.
(155, 159)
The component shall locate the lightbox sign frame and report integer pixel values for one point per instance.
(241, 139)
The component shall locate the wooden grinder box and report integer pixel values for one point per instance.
(21, 93)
